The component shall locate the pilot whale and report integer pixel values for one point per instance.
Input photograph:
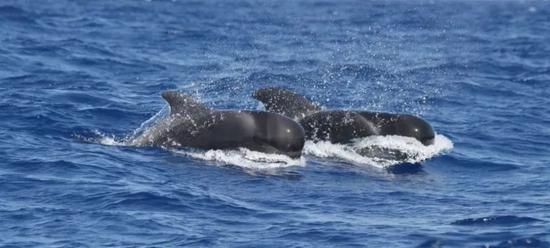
(342, 126)
(192, 124)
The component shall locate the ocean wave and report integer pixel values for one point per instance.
(17, 15)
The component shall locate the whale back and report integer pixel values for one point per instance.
(192, 124)
(286, 102)
(337, 126)
(340, 126)
(187, 116)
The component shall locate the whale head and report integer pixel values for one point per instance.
(415, 127)
(278, 134)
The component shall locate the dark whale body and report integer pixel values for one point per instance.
(342, 126)
(191, 124)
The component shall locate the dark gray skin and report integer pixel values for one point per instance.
(342, 126)
(191, 124)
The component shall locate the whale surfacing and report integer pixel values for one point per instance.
(342, 126)
(192, 124)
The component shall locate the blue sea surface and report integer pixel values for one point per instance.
(77, 77)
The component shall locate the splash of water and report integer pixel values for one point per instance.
(105, 139)
(130, 140)
(245, 158)
(145, 127)
(401, 150)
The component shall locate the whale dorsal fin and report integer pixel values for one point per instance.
(286, 102)
(183, 104)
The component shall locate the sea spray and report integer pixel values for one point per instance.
(413, 150)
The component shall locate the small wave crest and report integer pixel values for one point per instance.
(380, 151)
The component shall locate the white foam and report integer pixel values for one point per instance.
(416, 152)
(252, 160)
(108, 140)
(245, 158)
(325, 149)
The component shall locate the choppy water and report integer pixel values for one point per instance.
(77, 77)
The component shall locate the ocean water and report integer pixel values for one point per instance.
(79, 77)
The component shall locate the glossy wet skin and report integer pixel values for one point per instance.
(281, 133)
(257, 131)
(341, 126)
(401, 124)
(337, 126)
(191, 124)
